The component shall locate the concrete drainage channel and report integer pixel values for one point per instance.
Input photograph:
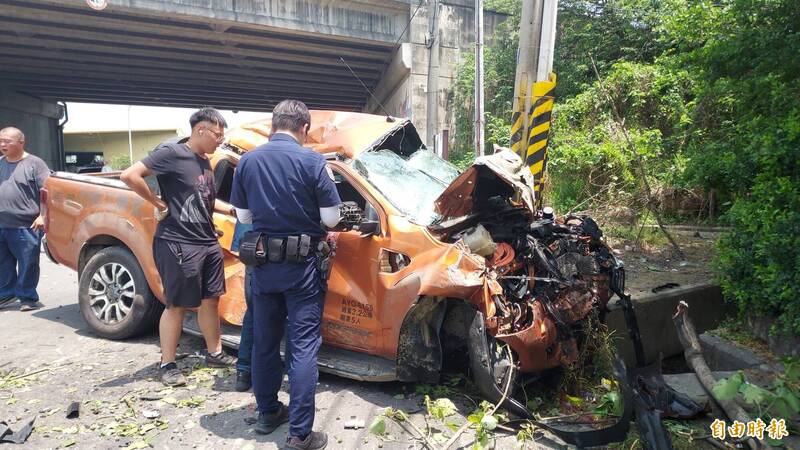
(654, 313)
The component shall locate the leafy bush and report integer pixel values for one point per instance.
(589, 156)
(758, 261)
(745, 142)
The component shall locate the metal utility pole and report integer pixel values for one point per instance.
(130, 138)
(534, 87)
(544, 66)
(527, 53)
(432, 128)
(479, 119)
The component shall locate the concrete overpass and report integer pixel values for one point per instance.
(233, 54)
(230, 54)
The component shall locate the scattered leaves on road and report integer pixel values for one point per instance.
(192, 402)
(13, 380)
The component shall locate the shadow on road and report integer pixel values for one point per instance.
(232, 424)
(70, 315)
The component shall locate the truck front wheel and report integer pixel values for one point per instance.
(114, 297)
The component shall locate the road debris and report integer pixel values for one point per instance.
(354, 423)
(73, 410)
(150, 413)
(8, 435)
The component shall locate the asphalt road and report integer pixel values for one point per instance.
(116, 384)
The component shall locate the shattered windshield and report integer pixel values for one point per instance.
(427, 161)
(408, 188)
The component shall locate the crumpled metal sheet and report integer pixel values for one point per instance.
(506, 166)
(536, 346)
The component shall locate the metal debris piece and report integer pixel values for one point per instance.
(354, 424)
(73, 410)
(7, 435)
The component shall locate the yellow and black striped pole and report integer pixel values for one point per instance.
(535, 127)
(518, 119)
(539, 120)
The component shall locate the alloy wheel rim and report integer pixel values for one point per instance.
(111, 293)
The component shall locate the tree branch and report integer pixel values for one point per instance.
(639, 161)
(464, 427)
(694, 357)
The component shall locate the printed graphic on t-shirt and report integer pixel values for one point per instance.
(198, 206)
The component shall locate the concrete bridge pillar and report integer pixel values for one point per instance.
(38, 119)
(403, 87)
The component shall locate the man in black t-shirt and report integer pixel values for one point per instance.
(185, 247)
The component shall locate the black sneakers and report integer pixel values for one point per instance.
(5, 301)
(314, 441)
(219, 359)
(267, 423)
(243, 381)
(171, 376)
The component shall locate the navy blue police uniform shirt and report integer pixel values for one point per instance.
(284, 185)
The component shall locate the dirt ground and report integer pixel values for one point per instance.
(653, 263)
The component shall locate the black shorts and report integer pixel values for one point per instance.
(189, 272)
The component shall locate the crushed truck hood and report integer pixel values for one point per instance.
(502, 173)
(345, 133)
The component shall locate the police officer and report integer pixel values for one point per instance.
(288, 194)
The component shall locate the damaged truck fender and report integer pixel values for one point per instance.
(482, 364)
(419, 349)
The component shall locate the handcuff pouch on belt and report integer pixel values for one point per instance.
(297, 248)
(324, 253)
(251, 249)
(276, 249)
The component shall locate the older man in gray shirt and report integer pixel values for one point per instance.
(22, 175)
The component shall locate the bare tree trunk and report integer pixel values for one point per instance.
(712, 203)
(694, 357)
(651, 203)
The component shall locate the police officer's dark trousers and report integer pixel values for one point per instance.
(290, 297)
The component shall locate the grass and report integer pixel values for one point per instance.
(449, 386)
(596, 353)
(736, 331)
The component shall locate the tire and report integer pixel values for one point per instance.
(114, 297)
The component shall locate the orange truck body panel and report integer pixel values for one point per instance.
(366, 302)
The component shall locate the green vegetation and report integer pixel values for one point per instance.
(120, 162)
(710, 97)
(780, 401)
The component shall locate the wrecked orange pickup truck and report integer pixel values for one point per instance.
(444, 268)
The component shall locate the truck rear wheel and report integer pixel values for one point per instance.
(114, 297)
